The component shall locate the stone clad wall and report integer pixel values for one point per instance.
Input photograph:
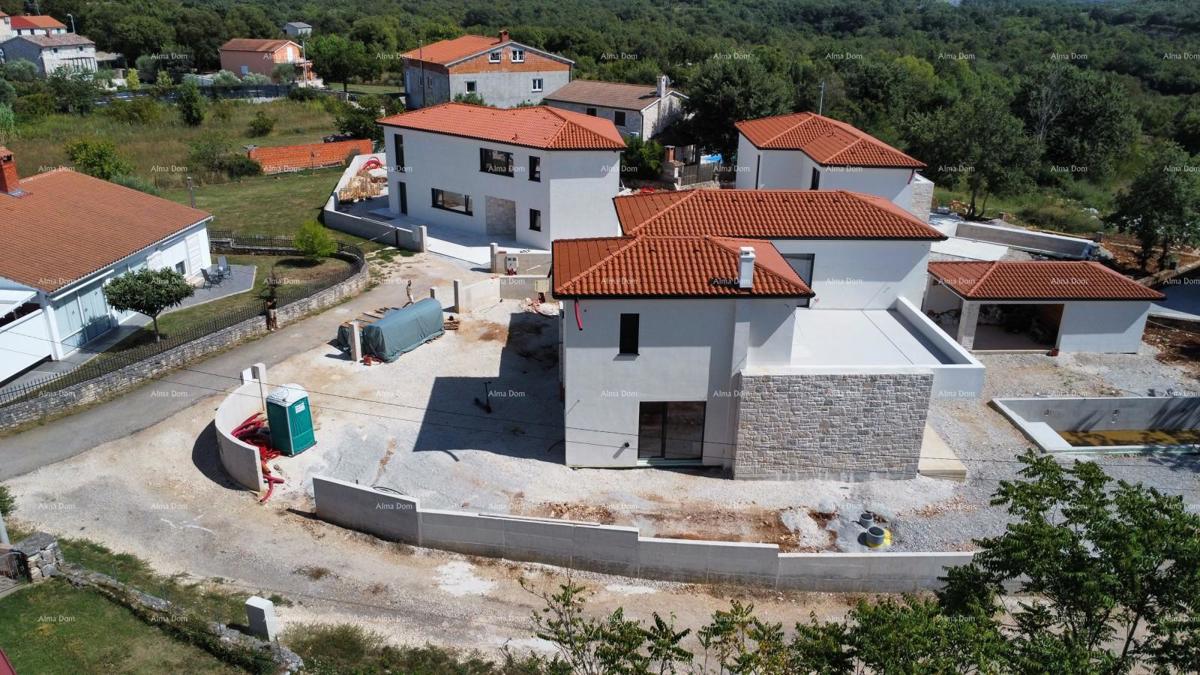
(839, 426)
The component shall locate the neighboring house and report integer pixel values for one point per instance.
(807, 151)
(636, 109)
(774, 332)
(532, 174)
(37, 25)
(286, 158)
(52, 52)
(6, 30)
(65, 234)
(502, 72)
(243, 56)
(1073, 306)
(297, 29)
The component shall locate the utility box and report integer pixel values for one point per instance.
(289, 417)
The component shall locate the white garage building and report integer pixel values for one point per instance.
(1074, 306)
(65, 234)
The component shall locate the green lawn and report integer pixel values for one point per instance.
(368, 88)
(159, 151)
(291, 270)
(56, 628)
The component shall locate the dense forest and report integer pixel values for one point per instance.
(997, 96)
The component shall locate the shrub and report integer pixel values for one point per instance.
(97, 157)
(260, 125)
(304, 94)
(8, 124)
(314, 241)
(191, 104)
(8, 504)
(34, 106)
(20, 70)
(222, 110)
(256, 78)
(641, 159)
(8, 93)
(131, 79)
(143, 110)
(240, 166)
(225, 78)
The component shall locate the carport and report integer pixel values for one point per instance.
(1075, 306)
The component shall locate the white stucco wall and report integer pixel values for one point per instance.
(23, 343)
(574, 195)
(1107, 327)
(862, 274)
(647, 122)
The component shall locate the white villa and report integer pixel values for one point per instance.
(531, 174)
(806, 151)
(685, 340)
(65, 234)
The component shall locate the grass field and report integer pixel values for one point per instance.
(55, 628)
(368, 88)
(159, 152)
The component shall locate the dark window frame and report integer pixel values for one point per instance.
(467, 211)
(620, 118)
(815, 183)
(538, 218)
(535, 168)
(398, 151)
(472, 86)
(628, 335)
(490, 160)
(590, 111)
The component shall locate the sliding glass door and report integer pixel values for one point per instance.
(671, 430)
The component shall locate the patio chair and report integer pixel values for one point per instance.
(208, 280)
(223, 267)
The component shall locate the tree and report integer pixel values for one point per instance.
(359, 119)
(138, 34)
(191, 104)
(131, 79)
(97, 157)
(163, 84)
(1161, 204)
(74, 90)
(314, 241)
(728, 90)
(8, 123)
(641, 158)
(1115, 570)
(338, 59)
(260, 125)
(285, 73)
(148, 292)
(20, 70)
(976, 142)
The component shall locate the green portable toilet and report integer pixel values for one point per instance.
(290, 419)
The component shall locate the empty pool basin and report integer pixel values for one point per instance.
(1107, 424)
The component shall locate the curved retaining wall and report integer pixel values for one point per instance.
(239, 458)
(622, 550)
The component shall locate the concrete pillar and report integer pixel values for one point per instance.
(423, 233)
(493, 249)
(458, 297)
(967, 320)
(260, 616)
(355, 341)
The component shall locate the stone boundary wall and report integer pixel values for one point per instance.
(621, 550)
(38, 557)
(133, 375)
(848, 426)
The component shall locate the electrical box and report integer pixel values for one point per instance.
(290, 419)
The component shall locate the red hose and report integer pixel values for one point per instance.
(578, 316)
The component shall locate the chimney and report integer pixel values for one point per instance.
(662, 86)
(10, 182)
(746, 268)
(504, 35)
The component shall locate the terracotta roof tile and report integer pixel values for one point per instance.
(828, 141)
(1038, 280)
(535, 126)
(67, 40)
(43, 22)
(283, 158)
(607, 94)
(445, 52)
(69, 225)
(770, 214)
(669, 267)
(253, 45)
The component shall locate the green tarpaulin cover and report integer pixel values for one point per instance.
(399, 331)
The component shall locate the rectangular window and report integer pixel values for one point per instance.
(537, 84)
(470, 86)
(495, 161)
(671, 429)
(451, 201)
(816, 179)
(494, 57)
(535, 168)
(535, 220)
(398, 151)
(629, 334)
(518, 56)
(619, 118)
(591, 111)
(181, 267)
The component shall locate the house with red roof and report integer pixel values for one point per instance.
(772, 332)
(65, 235)
(807, 151)
(503, 72)
(36, 25)
(1067, 306)
(242, 56)
(525, 175)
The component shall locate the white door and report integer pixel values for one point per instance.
(195, 254)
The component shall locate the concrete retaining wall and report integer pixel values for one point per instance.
(526, 262)
(524, 286)
(240, 459)
(470, 297)
(621, 550)
(1038, 242)
(411, 239)
(964, 376)
(1042, 418)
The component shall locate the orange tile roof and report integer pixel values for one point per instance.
(700, 267)
(69, 225)
(27, 22)
(445, 52)
(770, 214)
(253, 45)
(535, 126)
(828, 141)
(1038, 280)
(608, 94)
(281, 158)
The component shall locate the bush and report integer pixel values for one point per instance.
(191, 105)
(8, 504)
(222, 110)
(641, 159)
(225, 78)
(240, 166)
(260, 125)
(34, 106)
(8, 124)
(97, 157)
(143, 110)
(346, 648)
(20, 70)
(132, 81)
(1060, 217)
(304, 94)
(256, 78)
(314, 241)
